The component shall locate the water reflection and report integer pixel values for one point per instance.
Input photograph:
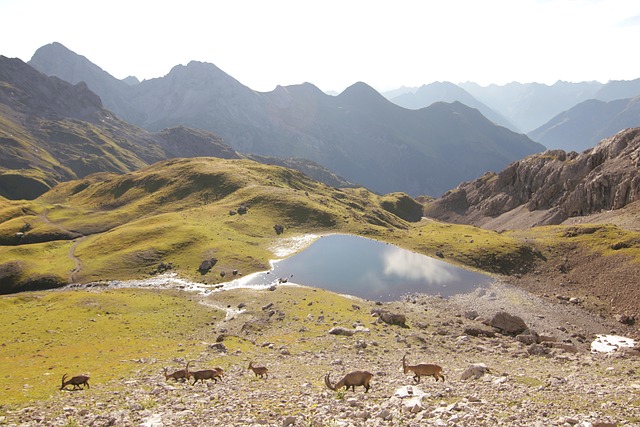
(367, 268)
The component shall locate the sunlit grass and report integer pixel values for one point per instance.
(100, 333)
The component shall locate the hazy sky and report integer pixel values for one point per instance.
(335, 43)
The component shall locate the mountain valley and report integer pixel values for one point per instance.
(127, 208)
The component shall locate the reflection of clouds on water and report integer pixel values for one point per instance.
(413, 266)
(340, 263)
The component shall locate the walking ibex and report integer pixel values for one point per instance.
(182, 374)
(214, 374)
(76, 382)
(260, 371)
(421, 370)
(353, 379)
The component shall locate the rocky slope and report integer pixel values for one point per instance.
(549, 188)
(492, 378)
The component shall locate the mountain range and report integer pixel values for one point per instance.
(359, 135)
(52, 131)
(530, 107)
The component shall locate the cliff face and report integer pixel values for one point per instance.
(549, 187)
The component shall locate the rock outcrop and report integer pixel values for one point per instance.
(549, 188)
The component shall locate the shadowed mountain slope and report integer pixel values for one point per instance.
(426, 95)
(76, 68)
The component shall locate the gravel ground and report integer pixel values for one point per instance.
(559, 383)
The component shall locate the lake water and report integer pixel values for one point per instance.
(368, 269)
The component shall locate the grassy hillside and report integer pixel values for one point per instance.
(183, 211)
(180, 211)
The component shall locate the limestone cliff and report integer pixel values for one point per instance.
(549, 188)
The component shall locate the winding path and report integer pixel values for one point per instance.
(72, 256)
(72, 250)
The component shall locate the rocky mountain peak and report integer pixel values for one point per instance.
(362, 93)
(200, 74)
(549, 187)
(65, 64)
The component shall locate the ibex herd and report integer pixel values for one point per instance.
(351, 380)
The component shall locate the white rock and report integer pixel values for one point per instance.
(154, 420)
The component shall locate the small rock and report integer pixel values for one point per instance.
(339, 330)
(476, 371)
(471, 314)
(386, 415)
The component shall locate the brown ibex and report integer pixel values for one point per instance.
(181, 374)
(76, 382)
(260, 371)
(214, 374)
(352, 380)
(423, 369)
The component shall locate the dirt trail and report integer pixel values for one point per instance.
(71, 254)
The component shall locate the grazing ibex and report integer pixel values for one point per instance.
(76, 382)
(352, 380)
(182, 374)
(260, 371)
(214, 374)
(421, 370)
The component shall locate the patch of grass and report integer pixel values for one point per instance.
(529, 381)
(100, 333)
(604, 239)
(48, 258)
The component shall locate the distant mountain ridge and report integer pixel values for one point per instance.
(549, 187)
(524, 106)
(358, 134)
(426, 95)
(584, 125)
(530, 105)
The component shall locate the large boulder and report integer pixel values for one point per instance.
(508, 324)
(390, 318)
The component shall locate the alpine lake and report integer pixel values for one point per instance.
(366, 268)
